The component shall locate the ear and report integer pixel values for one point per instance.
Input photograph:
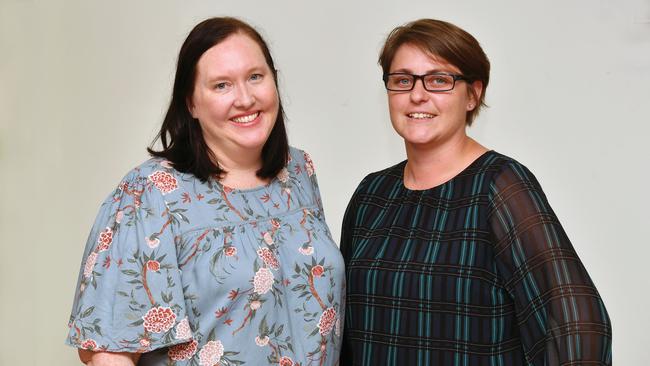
(190, 106)
(474, 90)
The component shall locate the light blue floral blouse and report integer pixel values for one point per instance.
(193, 273)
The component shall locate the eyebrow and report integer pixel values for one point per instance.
(220, 77)
(432, 71)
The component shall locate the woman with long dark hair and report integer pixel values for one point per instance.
(216, 250)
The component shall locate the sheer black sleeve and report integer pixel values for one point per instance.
(561, 317)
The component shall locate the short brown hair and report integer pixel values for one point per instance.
(446, 41)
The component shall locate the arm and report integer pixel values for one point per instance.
(562, 319)
(347, 230)
(92, 358)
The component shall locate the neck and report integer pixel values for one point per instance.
(428, 167)
(241, 166)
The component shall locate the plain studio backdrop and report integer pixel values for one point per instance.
(84, 86)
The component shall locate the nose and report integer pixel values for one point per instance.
(245, 97)
(418, 94)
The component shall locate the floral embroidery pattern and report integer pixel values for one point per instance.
(211, 353)
(286, 361)
(263, 281)
(89, 344)
(183, 351)
(158, 320)
(256, 252)
(183, 330)
(309, 164)
(90, 264)
(326, 321)
(164, 181)
(105, 239)
(268, 258)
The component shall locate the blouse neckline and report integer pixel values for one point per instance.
(472, 165)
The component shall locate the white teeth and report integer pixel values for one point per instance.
(246, 119)
(420, 115)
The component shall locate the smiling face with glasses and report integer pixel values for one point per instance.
(428, 98)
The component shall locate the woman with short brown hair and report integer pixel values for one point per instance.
(454, 256)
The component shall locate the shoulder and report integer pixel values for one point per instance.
(300, 160)
(298, 155)
(148, 168)
(501, 168)
(153, 175)
(512, 183)
(377, 181)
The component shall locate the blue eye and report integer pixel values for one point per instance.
(404, 81)
(256, 77)
(223, 86)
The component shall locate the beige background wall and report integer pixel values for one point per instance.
(83, 86)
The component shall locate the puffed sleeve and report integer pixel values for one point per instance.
(129, 295)
(562, 319)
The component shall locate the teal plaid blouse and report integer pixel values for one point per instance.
(476, 271)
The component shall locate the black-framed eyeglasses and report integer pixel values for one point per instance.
(434, 82)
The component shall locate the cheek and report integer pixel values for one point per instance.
(272, 98)
(395, 105)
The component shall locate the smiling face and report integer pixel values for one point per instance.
(429, 119)
(235, 97)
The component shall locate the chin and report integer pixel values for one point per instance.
(418, 139)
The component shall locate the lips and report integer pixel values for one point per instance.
(245, 118)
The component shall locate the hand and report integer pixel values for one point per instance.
(101, 358)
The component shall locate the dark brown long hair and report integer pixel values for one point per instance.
(444, 40)
(180, 134)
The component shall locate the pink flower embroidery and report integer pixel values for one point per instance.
(255, 304)
(283, 176)
(105, 239)
(262, 341)
(326, 321)
(230, 251)
(164, 181)
(183, 351)
(153, 266)
(309, 164)
(119, 216)
(159, 319)
(275, 223)
(145, 343)
(317, 270)
(152, 243)
(308, 250)
(263, 280)
(89, 344)
(183, 330)
(286, 361)
(268, 239)
(90, 264)
(211, 353)
(268, 258)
